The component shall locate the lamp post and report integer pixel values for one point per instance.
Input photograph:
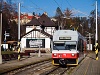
(5, 41)
(39, 54)
(0, 37)
(18, 31)
(89, 41)
(96, 44)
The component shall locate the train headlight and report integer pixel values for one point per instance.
(73, 54)
(55, 54)
(59, 55)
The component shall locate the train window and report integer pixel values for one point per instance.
(59, 46)
(69, 47)
(80, 45)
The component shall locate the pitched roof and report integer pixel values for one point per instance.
(46, 21)
(42, 20)
(34, 21)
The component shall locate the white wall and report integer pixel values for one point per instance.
(5, 46)
(89, 45)
(23, 43)
(47, 42)
(28, 29)
(50, 30)
(37, 34)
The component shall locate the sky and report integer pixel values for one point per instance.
(79, 7)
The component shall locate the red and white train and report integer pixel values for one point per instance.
(68, 47)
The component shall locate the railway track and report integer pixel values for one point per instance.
(58, 71)
(46, 68)
(42, 68)
(25, 70)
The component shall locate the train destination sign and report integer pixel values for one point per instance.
(64, 38)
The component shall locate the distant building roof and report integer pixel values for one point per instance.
(24, 16)
(46, 21)
(42, 20)
(34, 21)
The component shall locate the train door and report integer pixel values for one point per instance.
(81, 49)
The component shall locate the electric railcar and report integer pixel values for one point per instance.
(68, 47)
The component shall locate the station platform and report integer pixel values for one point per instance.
(7, 66)
(89, 65)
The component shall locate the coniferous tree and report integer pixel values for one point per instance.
(59, 16)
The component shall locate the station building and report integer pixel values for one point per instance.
(39, 33)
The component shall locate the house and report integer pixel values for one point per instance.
(39, 33)
(24, 18)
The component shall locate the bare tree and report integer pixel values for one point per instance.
(68, 22)
(9, 11)
(68, 13)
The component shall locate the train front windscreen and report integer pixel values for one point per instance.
(59, 46)
(64, 46)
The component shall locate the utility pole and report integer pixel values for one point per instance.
(0, 37)
(39, 54)
(96, 45)
(89, 41)
(19, 31)
(5, 41)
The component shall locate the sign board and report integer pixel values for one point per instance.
(64, 38)
(6, 34)
(89, 46)
(35, 43)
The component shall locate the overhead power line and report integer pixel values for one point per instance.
(38, 7)
(76, 9)
(58, 4)
(26, 8)
(69, 3)
(80, 12)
